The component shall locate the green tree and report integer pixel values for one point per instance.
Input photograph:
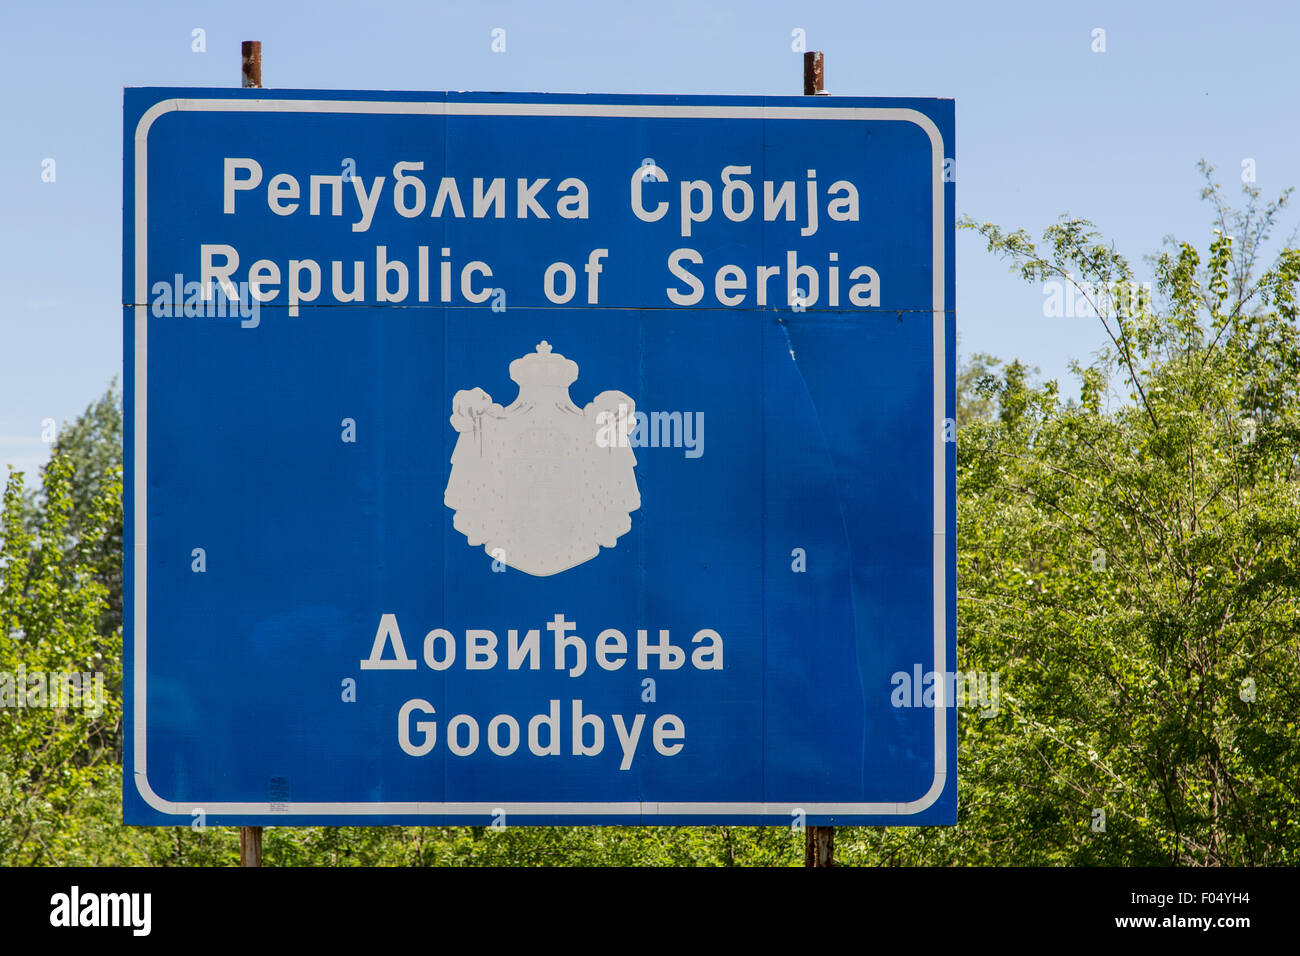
(91, 445)
(977, 387)
(56, 744)
(1133, 575)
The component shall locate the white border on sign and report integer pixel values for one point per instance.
(635, 808)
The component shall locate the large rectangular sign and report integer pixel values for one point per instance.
(538, 459)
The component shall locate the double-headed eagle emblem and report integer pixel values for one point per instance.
(541, 483)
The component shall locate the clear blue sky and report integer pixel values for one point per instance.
(1044, 125)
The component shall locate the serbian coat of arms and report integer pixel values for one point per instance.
(541, 483)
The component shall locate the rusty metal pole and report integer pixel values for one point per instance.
(814, 74)
(819, 842)
(819, 846)
(252, 57)
(250, 846)
(250, 838)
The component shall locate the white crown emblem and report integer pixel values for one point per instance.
(541, 483)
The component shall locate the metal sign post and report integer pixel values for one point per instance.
(819, 841)
(250, 838)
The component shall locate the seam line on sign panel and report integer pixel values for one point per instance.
(448, 307)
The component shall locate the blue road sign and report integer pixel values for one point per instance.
(539, 459)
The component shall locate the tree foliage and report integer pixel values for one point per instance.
(51, 609)
(1134, 575)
